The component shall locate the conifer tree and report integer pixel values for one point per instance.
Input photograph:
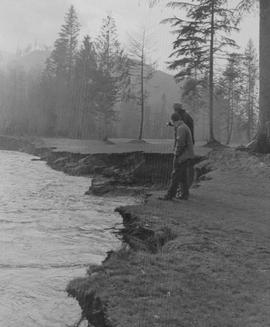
(63, 56)
(200, 36)
(262, 141)
(250, 75)
(60, 70)
(86, 88)
(113, 68)
(233, 91)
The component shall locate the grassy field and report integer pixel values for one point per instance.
(118, 146)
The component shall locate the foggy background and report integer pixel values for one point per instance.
(29, 30)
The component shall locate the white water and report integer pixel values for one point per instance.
(49, 233)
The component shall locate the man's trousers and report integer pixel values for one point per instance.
(179, 176)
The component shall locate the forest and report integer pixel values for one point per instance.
(93, 87)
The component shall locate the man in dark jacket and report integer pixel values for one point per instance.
(188, 120)
(183, 154)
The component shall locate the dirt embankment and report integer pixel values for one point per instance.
(202, 262)
(111, 172)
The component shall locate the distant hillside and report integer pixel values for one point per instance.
(161, 83)
(33, 60)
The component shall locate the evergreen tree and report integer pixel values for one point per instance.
(250, 72)
(190, 49)
(194, 94)
(200, 36)
(262, 142)
(48, 95)
(62, 59)
(86, 88)
(232, 88)
(113, 68)
(60, 68)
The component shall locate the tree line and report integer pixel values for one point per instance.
(202, 36)
(75, 94)
(81, 86)
(235, 98)
(78, 91)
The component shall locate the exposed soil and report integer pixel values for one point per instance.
(117, 168)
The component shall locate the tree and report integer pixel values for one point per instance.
(60, 70)
(232, 90)
(200, 37)
(141, 72)
(62, 59)
(15, 100)
(86, 76)
(193, 94)
(250, 72)
(263, 137)
(113, 67)
(262, 141)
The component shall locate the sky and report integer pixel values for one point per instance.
(28, 21)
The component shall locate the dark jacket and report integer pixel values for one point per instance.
(183, 149)
(188, 120)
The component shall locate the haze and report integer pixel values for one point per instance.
(37, 21)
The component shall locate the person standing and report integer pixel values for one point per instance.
(183, 153)
(188, 120)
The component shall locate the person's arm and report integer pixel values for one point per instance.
(180, 142)
(192, 132)
(175, 138)
(191, 127)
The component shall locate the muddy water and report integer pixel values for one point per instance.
(49, 233)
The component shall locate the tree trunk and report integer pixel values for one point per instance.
(142, 96)
(230, 115)
(211, 79)
(250, 115)
(263, 141)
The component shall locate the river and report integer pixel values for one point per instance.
(49, 233)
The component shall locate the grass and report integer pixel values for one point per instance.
(214, 271)
(118, 146)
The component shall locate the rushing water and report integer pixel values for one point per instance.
(49, 233)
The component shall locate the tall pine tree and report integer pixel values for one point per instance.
(86, 79)
(60, 68)
(200, 36)
(63, 56)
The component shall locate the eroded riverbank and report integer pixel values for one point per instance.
(204, 262)
(49, 233)
(117, 169)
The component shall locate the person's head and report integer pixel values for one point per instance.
(178, 108)
(176, 118)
